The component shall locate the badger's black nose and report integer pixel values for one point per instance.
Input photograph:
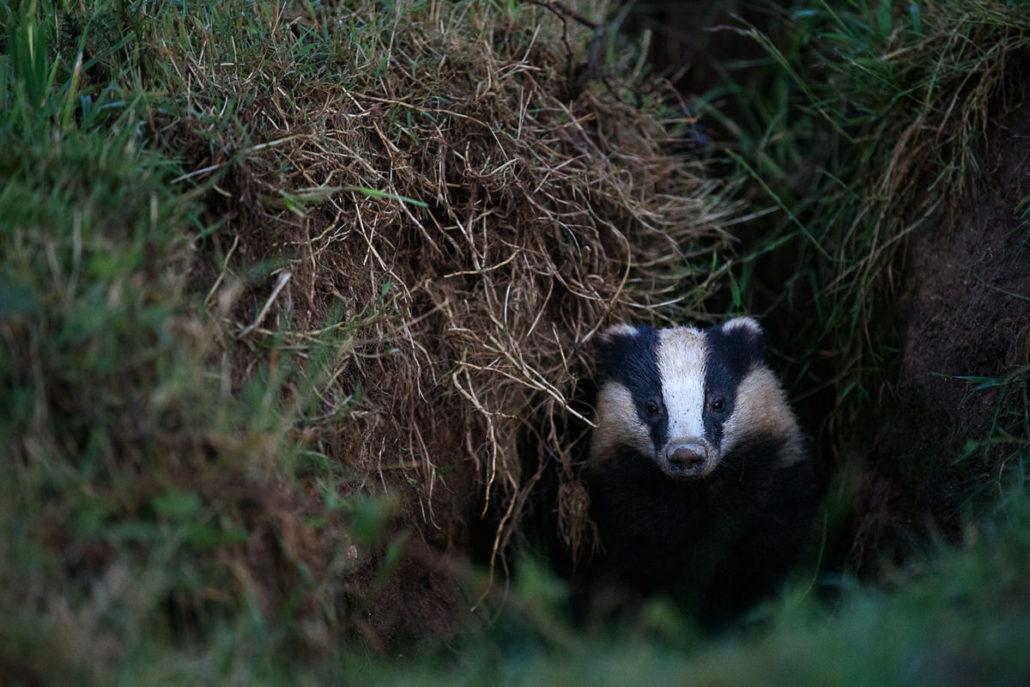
(688, 457)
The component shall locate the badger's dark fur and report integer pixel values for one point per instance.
(700, 481)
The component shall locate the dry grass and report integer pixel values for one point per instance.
(471, 212)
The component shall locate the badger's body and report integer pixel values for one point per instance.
(700, 481)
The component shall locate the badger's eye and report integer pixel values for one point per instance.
(653, 409)
(717, 404)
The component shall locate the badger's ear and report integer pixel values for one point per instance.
(613, 339)
(743, 341)
(615, 345)
(615, 331)
(748, 324)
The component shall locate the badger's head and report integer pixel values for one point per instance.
(686, 397)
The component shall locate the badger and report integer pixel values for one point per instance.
(702, 486)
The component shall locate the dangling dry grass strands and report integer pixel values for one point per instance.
(440, 187)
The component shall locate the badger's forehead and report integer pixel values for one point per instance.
(681, 354)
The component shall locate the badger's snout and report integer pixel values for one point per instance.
(688, 458)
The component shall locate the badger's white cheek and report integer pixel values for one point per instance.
(618, 425)
(760, 409)
(731, 429)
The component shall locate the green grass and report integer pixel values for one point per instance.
(871, 125)
(175, 505)
(144, 484)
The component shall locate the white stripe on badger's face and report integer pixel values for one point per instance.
(681, 366)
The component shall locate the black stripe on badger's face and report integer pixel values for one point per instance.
(668, 393)
(734, 348)
(629, 410)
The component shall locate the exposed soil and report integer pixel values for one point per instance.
(968, 320)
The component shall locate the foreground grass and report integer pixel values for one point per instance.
(153, 490)
(176, 509)
(961, 619)
(957, 619)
